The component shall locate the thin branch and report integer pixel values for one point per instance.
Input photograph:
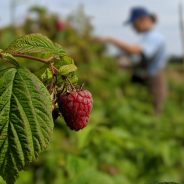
(70, 83)
(33, 58)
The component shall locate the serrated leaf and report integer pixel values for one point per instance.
(25, 121)
(34, 43)
(66, 69)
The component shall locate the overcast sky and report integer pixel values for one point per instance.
(108, 16)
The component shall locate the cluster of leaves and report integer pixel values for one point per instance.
(25, 103)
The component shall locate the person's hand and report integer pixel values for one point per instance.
(104, 39)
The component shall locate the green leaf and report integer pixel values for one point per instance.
(66, 69)
(35, 43)
(10, 59)
(65, 60)
(26, 123)
(47, 75)
(79, 172)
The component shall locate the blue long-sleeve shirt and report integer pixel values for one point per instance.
(153, 45)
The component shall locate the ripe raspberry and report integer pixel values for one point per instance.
(60, 25)
(75, 107)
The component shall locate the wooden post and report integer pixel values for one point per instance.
(12, 11)
(181, 23)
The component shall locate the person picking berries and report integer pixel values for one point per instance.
(148, 57)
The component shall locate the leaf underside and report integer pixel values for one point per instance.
(25, 121)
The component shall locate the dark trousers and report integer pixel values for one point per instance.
(157, 88)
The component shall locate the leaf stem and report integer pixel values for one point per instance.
(34, 58)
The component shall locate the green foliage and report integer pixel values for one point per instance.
(66, 69)
(35, 43)
(80, 172)
(9, 58)
(124, 142)
(26, 121)
(25, 103)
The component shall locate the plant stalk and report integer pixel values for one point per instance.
(33, 58)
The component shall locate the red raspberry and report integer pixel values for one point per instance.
(75, 107)
(60, 25)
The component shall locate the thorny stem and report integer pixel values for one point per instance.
(52, 86)
(72, 86)
(67, 80)
(53, 81)
(53, 69)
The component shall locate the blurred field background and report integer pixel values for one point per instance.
(124, 143)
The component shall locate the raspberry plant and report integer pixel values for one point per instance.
(28, 103)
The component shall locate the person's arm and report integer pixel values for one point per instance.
(129, 49)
